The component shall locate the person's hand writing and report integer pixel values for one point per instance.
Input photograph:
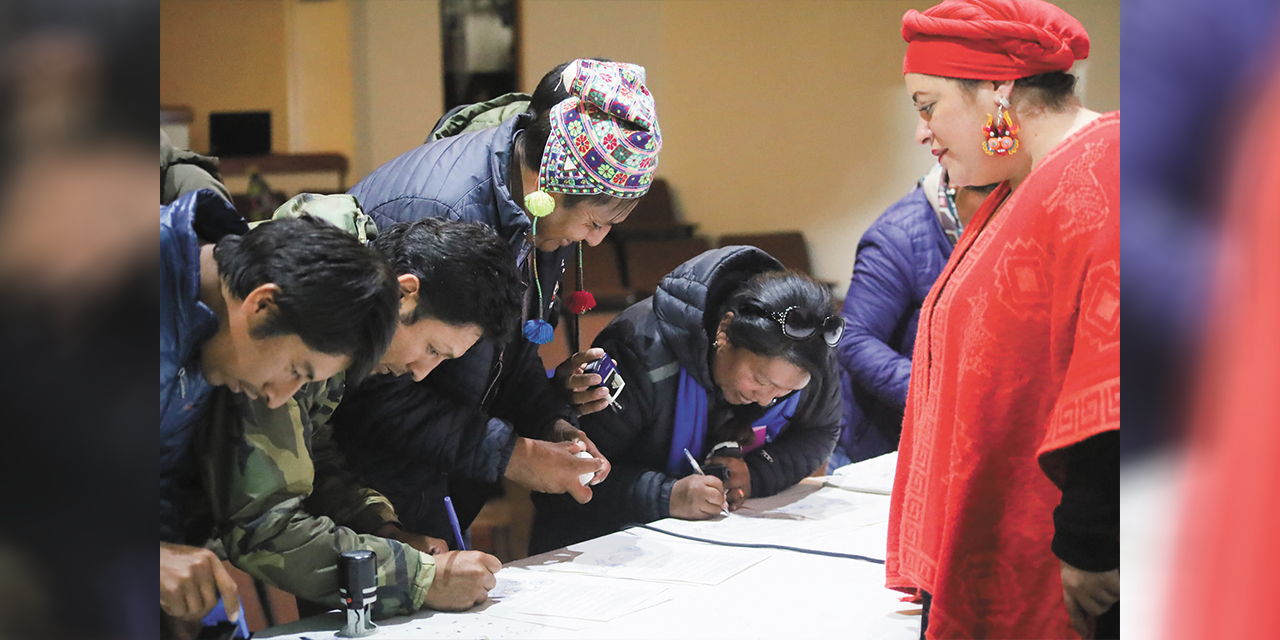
(552, 467)
(426, 544)
(1088, 594)
(697, 498)
(463, 580)
(191, 578)
(565, 432)
(738, 486)
(569, 376)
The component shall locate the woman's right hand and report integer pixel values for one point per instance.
(578, 384)
(697, 498)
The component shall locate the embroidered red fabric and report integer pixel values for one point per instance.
(1017, 357)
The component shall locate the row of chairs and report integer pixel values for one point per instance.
(620, 272)
(634, 258)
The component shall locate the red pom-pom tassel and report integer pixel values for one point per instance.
(580, 302)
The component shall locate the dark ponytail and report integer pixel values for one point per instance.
(753, 329)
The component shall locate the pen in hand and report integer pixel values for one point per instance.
(453, 520)
(698, 468)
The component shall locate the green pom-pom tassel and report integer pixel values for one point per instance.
(539, 203)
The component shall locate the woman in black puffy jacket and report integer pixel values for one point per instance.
(730, 359)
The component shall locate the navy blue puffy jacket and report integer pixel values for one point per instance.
(185, 324)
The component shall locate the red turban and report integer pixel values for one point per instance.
(992, 39)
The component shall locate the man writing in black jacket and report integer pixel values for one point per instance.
(494, 414)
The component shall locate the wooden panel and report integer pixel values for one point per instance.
(602, 272)
(286, 163)
(176, 115)
(655, 209)
(649, 260)
(788, 247)
(600, 268)
(284, 607)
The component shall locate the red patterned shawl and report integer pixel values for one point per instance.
(1017, 357)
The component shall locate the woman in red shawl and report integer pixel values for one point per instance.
(1005, 512)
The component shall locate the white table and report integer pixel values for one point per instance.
(783, 595)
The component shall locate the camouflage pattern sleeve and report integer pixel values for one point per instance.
(258, 471)
(338, 492)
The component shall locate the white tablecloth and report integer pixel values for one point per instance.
(783, 595)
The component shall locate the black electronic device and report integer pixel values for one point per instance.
(240, 133)
(718, 470)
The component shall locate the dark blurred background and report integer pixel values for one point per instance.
(78, 309)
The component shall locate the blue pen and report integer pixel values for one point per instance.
(219, 615)
(453, 520)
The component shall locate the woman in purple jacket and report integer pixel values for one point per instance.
(899, 257)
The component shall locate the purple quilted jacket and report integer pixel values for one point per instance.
(898, 259)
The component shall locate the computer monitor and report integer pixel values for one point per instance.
(240, 133)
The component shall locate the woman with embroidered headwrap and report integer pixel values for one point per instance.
(1005, 510)
(544, 182)
(730, 360)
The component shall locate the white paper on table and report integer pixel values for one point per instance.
(568, 624)
(596, 602)
(748, 526)
(859, 527)
(867, 517)
(868, 476)
(571, 624)
(460, 625)
(526, 593)
(650, 560)
(813, 507)
(514, 585)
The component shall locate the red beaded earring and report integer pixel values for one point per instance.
(1001, 132)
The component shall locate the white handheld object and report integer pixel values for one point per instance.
(585, 477)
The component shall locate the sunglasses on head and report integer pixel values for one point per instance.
(800, 324)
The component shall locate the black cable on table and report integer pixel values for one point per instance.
(750, 545)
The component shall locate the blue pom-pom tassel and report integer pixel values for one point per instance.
(539, 331)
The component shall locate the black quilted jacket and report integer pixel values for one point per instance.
(650, 342)
(405, 438)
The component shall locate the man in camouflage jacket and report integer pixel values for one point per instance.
(285, 505)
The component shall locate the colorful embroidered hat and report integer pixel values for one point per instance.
(605, 136)
(992, 39)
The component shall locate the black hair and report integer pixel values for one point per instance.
(337, 295)
(984, 189)
(753, 329)
(551, 90)
(1053, 91)
(466, 273)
